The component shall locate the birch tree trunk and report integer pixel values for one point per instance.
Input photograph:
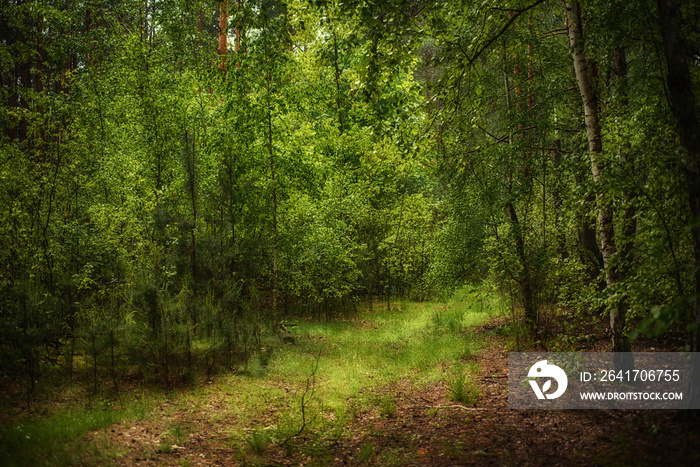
(584, 78)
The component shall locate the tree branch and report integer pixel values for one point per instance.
(505, 27)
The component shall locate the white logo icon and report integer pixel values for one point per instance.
(542, 370)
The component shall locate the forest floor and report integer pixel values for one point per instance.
(339, 409)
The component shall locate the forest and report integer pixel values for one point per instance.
(320, 225)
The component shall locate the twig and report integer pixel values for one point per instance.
(310, 387)
(455, 406)
(485, 45)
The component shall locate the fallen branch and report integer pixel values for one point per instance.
(308, 391)
(455, 406)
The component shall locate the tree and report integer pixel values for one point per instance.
(223, 33)
(683, 106)
(585, 72)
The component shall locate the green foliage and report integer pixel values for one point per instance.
(387, 406)
(463, 390)
(178, 433)
(365, 453)
(449, 319)
(258, 441)
(156, 198)
(137, 210)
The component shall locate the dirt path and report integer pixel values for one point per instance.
(425, 427)
(491, 434)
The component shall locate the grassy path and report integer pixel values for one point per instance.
(295, 403)
(424, 384)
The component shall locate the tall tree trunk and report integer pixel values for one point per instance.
(584, 77)
(557, 202)
(274, 212)
(526, 287)
(24, 102)
(238, 32)
(63, 85)
(629, 222)
(525, 281)
(588, 249)
(589, 252)
(338, 94)
(38, 82)
(223, 33)
(269, 64)
(191, 167)
(682, 100)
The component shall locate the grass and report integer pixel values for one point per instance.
(393, 345)
(387, 406)
(176, 435)
(47, 440)
(365, 453)
(463, 391)
(258, 441)
(317, 386)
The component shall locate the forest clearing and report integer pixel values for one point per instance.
(319, 231)
(423, 384)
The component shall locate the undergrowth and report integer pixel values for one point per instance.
(300, 396)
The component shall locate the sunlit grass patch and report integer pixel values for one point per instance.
(469, 307)
(356, 362)
(382, 347)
